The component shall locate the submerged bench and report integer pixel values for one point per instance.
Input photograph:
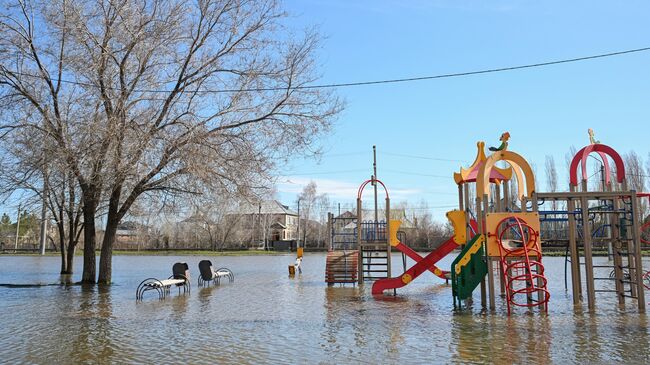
(180, 278)
(209, 275)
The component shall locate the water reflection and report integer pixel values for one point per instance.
(93, 327)
(264, 316)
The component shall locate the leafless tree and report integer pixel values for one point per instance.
(551, 177)
(636, 178)
(310, 203)
(158, 97)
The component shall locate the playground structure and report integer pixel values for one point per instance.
(609, 216)
(359, 252)
(508, 239)
(499, 232)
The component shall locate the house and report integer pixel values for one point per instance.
(368, 215)
(131, 235)
(268, 222)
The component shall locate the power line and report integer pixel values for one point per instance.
(418, 174)
(326, 172)
(374, 82)
(421, 157)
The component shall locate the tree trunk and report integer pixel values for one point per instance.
(106, 257)
(89, 210)
(112, 220)
(64, 262)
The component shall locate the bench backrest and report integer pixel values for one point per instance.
(205, 268)
(181, 270)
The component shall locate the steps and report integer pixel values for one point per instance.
(341, 267)
(375, 261)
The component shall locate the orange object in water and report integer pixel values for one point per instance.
(299, 251)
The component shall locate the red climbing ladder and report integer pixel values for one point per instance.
(522, 265)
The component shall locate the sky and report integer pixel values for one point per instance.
(425, 130)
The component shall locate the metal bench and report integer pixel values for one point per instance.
(209, 275)
(180, 278)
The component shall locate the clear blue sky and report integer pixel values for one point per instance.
(546, 110)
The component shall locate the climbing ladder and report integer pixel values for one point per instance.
(375, 261)
(521, 264)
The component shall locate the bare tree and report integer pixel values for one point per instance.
(158, 97)
(310, 203)
(635, 176)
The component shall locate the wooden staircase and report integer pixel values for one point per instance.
(342, 267)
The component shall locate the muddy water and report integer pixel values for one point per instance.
(267, 317)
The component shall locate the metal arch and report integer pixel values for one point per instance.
(363, 186)
(147, 285)
(581, 158)
(230, 275)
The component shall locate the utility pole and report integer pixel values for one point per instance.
(298, 241)
(17, 229)
(259, 223)
(43, 235)
(374, 179)
(339, 209)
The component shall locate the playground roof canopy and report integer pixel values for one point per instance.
(469, 175)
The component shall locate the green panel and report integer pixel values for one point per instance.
(471, 274)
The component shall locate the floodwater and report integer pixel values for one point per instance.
(267, 317)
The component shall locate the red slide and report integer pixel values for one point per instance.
(416, 270)
(416, 257)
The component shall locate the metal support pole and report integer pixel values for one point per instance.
(298, 241)
(573, 250)
(359, 244)
(589, 264)
(479, 221)
(489, 262)
(386, 234)
(637, 254)
(43, 227)
(616, 255)
(17, 229)
(374, 183)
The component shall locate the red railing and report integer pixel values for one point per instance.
(522, 267)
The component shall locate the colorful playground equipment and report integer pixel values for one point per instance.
(359, 252)
(608, 216)
(498, 228)
(505, 238)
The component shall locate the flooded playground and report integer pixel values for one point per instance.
(265, 316)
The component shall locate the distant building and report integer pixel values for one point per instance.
(268, 223)
(131, 235)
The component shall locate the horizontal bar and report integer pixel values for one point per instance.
(589, 195)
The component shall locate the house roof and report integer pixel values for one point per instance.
(265, 207)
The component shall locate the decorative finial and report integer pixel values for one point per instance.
(592, 139)
(504, 143)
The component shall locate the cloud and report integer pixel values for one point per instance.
(336, 189)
